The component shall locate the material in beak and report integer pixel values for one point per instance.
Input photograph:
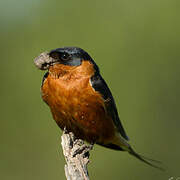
(44, 61)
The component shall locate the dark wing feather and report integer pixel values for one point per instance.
(100, 85)
(44, 78)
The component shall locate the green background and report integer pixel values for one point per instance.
(136, 44)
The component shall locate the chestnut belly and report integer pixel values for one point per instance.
(86, 118)
(79, 108)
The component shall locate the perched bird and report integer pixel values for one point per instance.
(80, 99)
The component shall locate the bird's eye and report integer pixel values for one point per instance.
(65, 56)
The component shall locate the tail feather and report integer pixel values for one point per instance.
(152, 160)
(119, 143)
(145, 159)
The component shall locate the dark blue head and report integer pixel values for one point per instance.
(71, 56)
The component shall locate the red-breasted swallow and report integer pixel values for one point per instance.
(80, 99)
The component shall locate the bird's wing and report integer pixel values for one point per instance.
(100, 85)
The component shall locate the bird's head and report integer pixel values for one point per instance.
(69, 56)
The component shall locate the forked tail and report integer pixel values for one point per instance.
(146, 160)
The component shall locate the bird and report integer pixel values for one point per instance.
(80, 100)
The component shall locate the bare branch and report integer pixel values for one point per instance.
(76, 154)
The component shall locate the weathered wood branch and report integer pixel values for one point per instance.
(76, 154)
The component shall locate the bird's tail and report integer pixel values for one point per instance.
(119, 143)
(146, 160)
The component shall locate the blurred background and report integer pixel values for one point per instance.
(135, 43)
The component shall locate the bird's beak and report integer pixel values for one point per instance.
(44, 61)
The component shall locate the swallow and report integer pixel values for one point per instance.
(80, 100)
